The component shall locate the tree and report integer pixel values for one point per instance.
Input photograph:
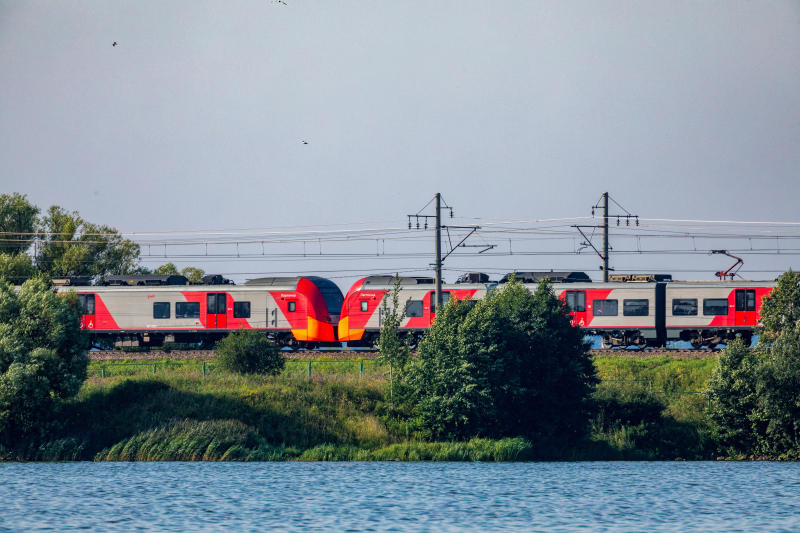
(42, 357)
(71, 246)
(510, 364)
(16, 268)
(193, 274)
(168, 269)
(394, 349)
(247, 351)
(782, 307)
(733, 400)
(777, 413)
(17, 223)
(755, 394)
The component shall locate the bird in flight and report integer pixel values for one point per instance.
(114, 43)
(304, 142)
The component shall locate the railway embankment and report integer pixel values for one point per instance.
(647, 408)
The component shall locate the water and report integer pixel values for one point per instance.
(401, 496)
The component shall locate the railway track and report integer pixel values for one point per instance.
(206, 355)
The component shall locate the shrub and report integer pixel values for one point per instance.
(508, 365)
(249, 352)
(42, 358)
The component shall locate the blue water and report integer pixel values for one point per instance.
(401, 496)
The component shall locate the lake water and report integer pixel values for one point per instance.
(401, 496)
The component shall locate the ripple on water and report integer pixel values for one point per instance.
(401, 496)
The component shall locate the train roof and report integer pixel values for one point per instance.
(555, 277)
(390, 280)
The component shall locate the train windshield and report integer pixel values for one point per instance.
(330, 293)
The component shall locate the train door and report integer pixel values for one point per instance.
(216, 310)
(576, 301)
(445, 299)
(86, 303)
(745, 306)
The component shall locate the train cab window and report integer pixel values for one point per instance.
(86, 303)
(715, 306)
(187, 310)
(292, 306)
(745, 299)
(160, 309)
(605, 307)
(637, 307)
(414, 308)
(241, 309)
(684, 306)
(576, 301)
(445, 299)
(364, 306)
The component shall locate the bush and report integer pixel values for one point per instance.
(508, 365)
(249, 352)
(755, 394)
(42, 358)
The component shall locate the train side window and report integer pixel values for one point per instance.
(86, 303)
(414, 308)
(187, 310)
(445, 299)
(605, 307)
(715, 306)
(241, 309)
(364, 306)
(576, 301)
(684, 306)
(636, 307)
(292, 306)
(160, 309)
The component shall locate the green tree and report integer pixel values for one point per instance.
(17, 223)
(247, 351)
(193, 274)
(733, 399)
(777, 414)
(16, 268)
(168, 269)
(42, 357)
(393, 346)
(782, 307)
(755, 395)
(509, 364)
(71, 246)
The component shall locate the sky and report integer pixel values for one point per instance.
(247, 137)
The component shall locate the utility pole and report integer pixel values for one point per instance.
(605, 236)
(439, 258)
(439, 250)
(604, 255)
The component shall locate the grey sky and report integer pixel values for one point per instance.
(512, 110)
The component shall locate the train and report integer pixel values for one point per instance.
(640, 310)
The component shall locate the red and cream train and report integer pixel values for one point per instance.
(645, 310)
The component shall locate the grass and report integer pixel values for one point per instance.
(179, 414)
(319, 367)
(665, 374)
